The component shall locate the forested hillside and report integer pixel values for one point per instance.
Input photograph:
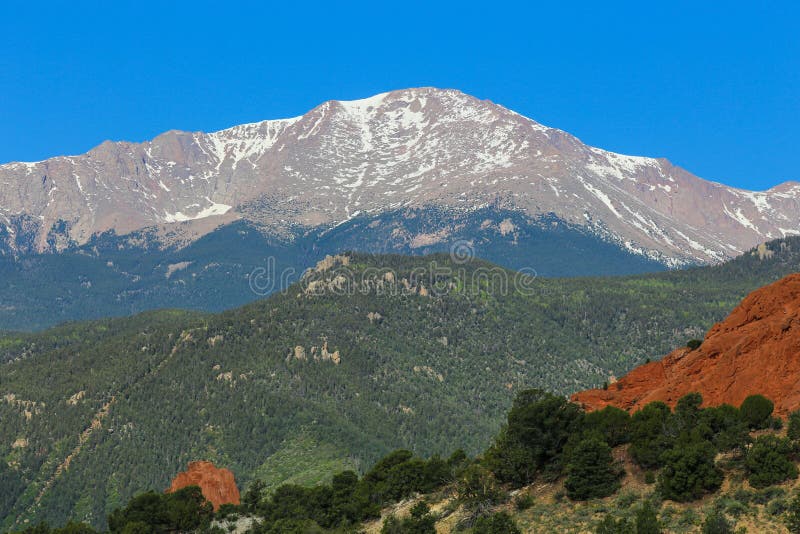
(552, 468)
(114, 275)
(368, 354)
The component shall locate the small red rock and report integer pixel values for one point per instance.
(217, 484)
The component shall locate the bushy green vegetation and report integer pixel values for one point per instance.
(420, 521)
(689, 471)
(591, 472)
(564, 443)
(532, 443)
(769, 461)
(793, 430)
(436, 370)
(716, 523)
(756, 411)
(185, 510)
(499, 523)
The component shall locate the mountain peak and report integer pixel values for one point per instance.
(411, 148)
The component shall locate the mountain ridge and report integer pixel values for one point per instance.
(418, 148)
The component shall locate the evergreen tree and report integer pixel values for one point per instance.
(419, 522)
(539, 426)
(728, 430)
(649, 439)
(609, 525)
(716, 523)
(793, 516)
(612, 422)
(591, 471)
(756, 411)
(768, 461)
(793, 432)
(689, 472)
(647, 519)
(499, 523)
(252, 497)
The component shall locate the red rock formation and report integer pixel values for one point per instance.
(218, 485)
(755, 350)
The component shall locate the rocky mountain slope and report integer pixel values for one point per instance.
(415, 148)
(755, 350)
(320, 379)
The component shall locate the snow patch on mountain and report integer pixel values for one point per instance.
(209, 211)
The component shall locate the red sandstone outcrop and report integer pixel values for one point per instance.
(217, 484)
(755, 350)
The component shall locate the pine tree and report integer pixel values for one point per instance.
(591, 472)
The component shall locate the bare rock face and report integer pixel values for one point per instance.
(415, 148)
(217, 484)
(756, 350)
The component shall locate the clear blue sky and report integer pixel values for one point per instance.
(715, 89)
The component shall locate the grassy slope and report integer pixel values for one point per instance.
(164, 388)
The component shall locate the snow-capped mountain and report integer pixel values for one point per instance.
(408, 149)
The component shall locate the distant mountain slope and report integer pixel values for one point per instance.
(416, 148)
(367, 354)
(236, 264)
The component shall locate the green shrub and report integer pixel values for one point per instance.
(768, 461)
(611, 422)
(499, 523)
(591, 471)
(736, 508)
(609, 525)
(399, 475)
(793, 516)
(716, 523)
(727, 427)
(688, 408)
(743, 496)
(289, 526)
(689, 472)
(694, 344)
(647, 520)
(777, 507)
(524, 501)
(478, 491)
(539, 426)
(73, 527)
(756, 411)
(253, 496)
(793, 431)
(626, 499)
(183, 510)
(650, 477)
(648, 439)
(768, 494)
(421, 521)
